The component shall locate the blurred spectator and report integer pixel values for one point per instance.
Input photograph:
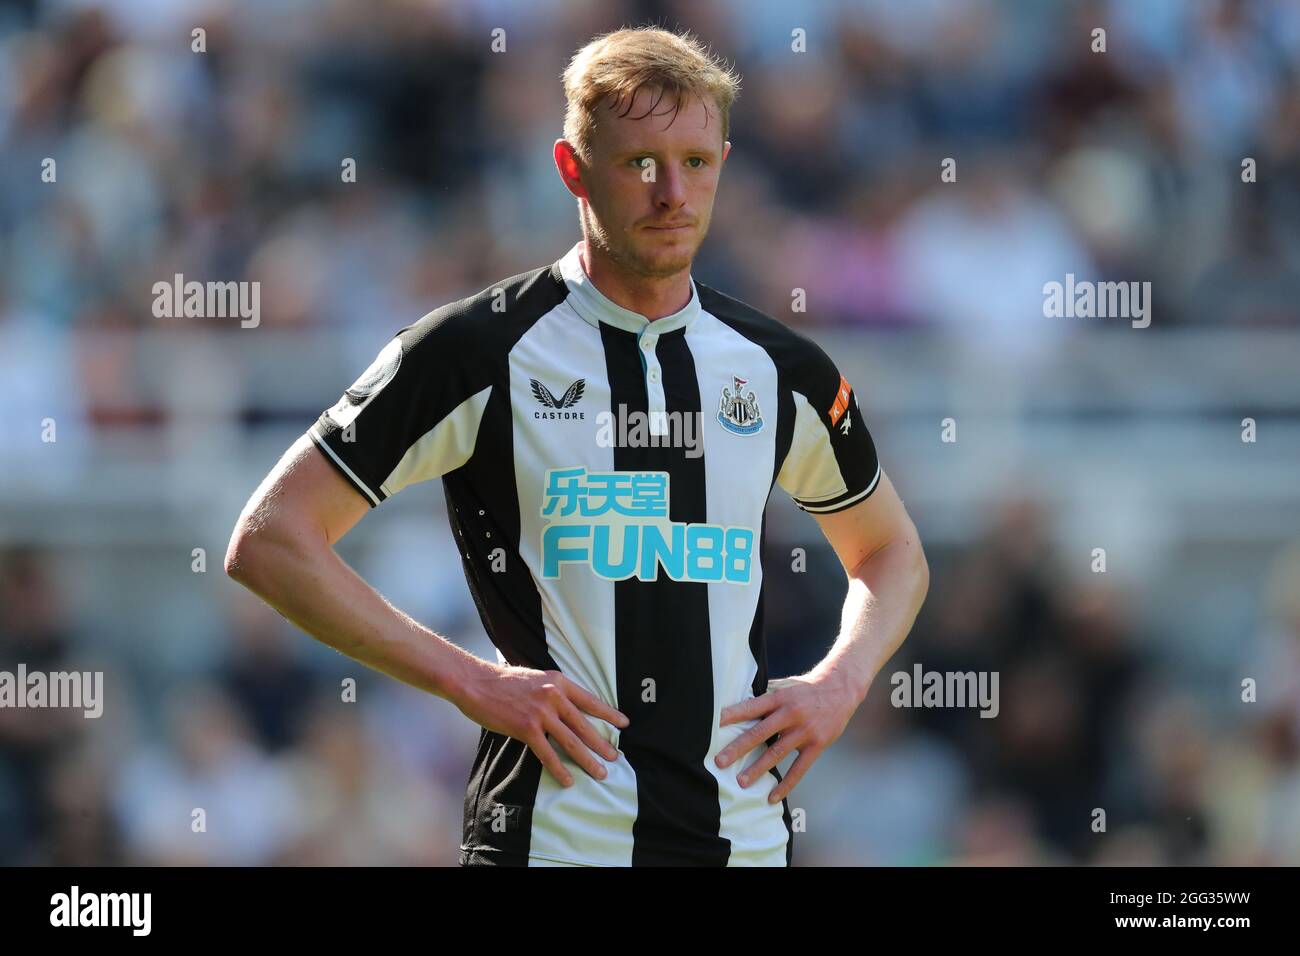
(262, 675)
(206, 794)
(33, 634)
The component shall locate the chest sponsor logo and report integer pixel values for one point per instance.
(617, 524)
(738, 410)
(558, 407)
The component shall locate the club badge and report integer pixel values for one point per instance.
(738, 410)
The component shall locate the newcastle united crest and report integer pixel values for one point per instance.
(738, 411)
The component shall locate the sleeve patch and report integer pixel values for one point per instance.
(841, 404)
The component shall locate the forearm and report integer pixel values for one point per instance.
(311, 586)
(886, 592)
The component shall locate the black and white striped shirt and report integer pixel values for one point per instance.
(606, 480)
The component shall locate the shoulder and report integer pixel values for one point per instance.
(793, 352)
(487, 324)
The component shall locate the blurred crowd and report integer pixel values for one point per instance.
(229, 164)
(1103, 751)
(263, 755)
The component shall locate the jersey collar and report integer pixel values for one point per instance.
(595, 307)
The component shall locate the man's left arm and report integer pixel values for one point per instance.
(881, 552)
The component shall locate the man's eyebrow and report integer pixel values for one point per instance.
(650, 150)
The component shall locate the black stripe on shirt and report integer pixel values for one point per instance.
(662, 633)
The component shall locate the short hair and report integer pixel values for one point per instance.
(615, 65)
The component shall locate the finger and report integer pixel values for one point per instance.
(580, 725)
(750, 739)
(750, 709)
(769, 758)
(792, 778)
(594, 705)
(575, 748)
(551, 760)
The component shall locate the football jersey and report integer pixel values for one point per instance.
(606, 479)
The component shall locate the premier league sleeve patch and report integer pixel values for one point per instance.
(380, 372)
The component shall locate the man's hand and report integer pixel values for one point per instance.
(535, 706)
(809, 713)
(888, 577)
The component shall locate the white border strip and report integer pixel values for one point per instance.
(848, 501)
(320, 443)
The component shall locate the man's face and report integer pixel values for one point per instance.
(651, 183)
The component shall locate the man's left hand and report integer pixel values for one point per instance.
(808, 713)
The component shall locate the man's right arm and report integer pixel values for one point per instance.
(282, 549)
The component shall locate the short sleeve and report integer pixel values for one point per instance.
(831, 463)
(412, 415)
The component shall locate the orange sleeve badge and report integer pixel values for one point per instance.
(841, 405)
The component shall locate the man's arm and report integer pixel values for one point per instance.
(282, 549)
(881, 552)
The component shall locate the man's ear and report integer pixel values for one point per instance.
(570, 168)
(726, 148)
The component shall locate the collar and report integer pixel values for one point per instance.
(596, 307)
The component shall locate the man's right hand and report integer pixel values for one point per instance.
(538, 707)
(282, 549)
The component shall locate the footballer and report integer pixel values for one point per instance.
(628, 719)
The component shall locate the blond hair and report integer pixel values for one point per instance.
(615, 65)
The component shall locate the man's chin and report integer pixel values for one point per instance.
(665, 259)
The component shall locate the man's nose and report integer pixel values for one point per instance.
(669, 187)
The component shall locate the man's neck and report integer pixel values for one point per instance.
(651, 297)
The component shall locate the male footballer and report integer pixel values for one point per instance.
(608, 431)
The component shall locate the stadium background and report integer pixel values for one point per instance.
(1119, 690)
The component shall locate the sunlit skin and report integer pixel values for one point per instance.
(643, 266)
(646, 198)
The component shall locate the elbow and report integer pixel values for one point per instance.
(241, 555)
(258, 552)
(922, 578)
(907, 559)
(237, 559)
(922, 567)
(919, 566)
(921, 570)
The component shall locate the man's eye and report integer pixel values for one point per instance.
(642, 162)
(701, 160)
